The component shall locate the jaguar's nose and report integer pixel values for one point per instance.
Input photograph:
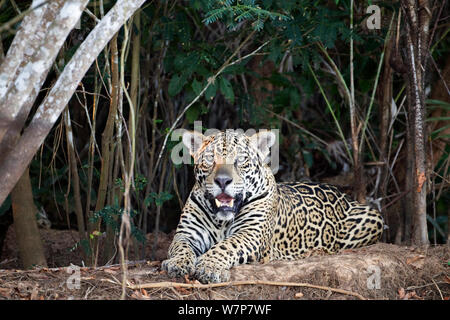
(222, 181)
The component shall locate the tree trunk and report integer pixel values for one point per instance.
(28, 237)
(75, 177)
(108, 146)
(384, 115)
(37, 54)
(417, 20)
(15, 163)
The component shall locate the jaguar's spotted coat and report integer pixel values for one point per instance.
(237, 213)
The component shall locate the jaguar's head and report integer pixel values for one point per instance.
(229, 167)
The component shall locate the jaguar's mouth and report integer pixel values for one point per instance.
(224, 206)
(224, 201)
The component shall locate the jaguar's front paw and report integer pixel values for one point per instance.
(178, 266)
(207, 271)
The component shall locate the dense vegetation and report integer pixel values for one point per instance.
(335, 88)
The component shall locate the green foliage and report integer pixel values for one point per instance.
(111, 216)
(158, 199)
(433, 104)
(233, 12)
(293, 24)
(183, 44)
(226, 89)
(139, 183)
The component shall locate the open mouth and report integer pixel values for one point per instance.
(224, 202)
(224, 206)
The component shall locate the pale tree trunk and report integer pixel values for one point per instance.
(28, 237)
(28, 73)
(12, 118)
(417, 17)
(22, 71)
(15, 162)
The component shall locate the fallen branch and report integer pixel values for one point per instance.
(168, 284)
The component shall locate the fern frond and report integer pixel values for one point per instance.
(214, 15)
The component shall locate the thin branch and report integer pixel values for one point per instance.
(440, 292)
(338, 74)
(352, 95)
(338, 126)
(369, 111)
(168, 284)
(125, 226)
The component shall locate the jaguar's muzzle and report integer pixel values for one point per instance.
(224, 206)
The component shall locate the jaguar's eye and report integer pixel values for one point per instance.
(241, 159)
(209, 158)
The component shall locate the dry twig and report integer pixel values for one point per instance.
(168, 284)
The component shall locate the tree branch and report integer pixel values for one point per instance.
(168, 284)
(26, 85)
(48, 112)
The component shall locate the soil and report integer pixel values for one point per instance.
(381, 271)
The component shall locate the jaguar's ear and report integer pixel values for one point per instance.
(262, 141)
(193, 141)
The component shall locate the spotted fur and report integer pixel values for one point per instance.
(260, 219)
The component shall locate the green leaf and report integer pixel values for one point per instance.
(294, 34)
(435, 132)
(444, 136)
(192, 113)
(176, 84)
(211, 91)
(227, 89)
(159, 199)
(437, 104)
(196, 86)
(438, 119)
(275, 52)
(165, 196)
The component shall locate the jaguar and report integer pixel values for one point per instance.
(237, 213)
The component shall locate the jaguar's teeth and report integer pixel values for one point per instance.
(224, 204)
